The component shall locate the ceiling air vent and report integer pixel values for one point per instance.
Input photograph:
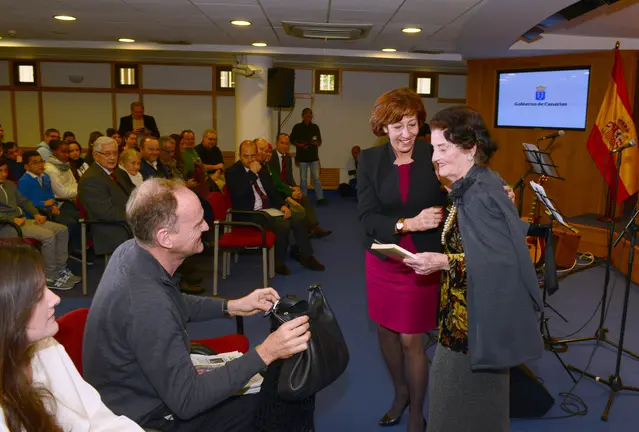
(326, 31)
(420, 51)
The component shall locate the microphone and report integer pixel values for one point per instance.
(555, 135)
(629, 144)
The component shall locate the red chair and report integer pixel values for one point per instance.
(238, 236)
(20, 238)
(71, 334)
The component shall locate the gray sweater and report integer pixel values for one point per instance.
(13, 204)
(136, 346)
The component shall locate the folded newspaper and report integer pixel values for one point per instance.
(206, 363)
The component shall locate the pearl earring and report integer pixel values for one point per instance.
(470, 158)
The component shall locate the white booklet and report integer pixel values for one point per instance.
(392, 251)
(206, 363)
(273, 212)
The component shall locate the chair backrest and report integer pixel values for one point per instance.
(81, 208)
(227, 196)
(71, 333)
(219, 205)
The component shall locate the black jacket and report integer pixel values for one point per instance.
(275, 167)
(126, 125)
(379, 200)
(147, 170)
(240, 185)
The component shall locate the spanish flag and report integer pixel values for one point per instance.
(614, 127)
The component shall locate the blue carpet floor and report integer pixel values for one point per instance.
(357, 400)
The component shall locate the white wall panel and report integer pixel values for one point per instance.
(60, 74)
(452, 87)
(164, 77)
(80, 113)
(4, 73)
(226, 123)
(28, 119)
(123, 105)
(303, 81)
(176, 113)
(6, 117)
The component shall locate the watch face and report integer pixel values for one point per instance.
(400, 226)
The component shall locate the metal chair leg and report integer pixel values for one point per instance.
(264, 267)
(216, 254)
(83, 232)
(237, 257)
(271, 262)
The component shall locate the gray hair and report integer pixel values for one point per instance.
(136, 103)
(128, 155)
(102, 141)
(153, 206)
(164, 139)
(208, 131)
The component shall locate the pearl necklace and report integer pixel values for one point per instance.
(448, 224)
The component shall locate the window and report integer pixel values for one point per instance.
(424, 83)
(225, 78)
(126, 76)
(326, 81)
(25, 74)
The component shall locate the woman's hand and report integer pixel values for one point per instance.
(427, 219)
(427, 262)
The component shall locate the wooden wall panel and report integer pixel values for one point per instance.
(584, 190)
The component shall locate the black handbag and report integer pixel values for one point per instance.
(326, 358)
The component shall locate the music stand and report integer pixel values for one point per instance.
(539, 162)
(554, 215)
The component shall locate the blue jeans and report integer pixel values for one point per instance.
(315, 172)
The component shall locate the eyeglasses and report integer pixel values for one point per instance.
(171, 152)
(109, 154)
(40, 162)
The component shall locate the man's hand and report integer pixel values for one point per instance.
(49, 203)
(255, 166)
(40, 219)
(55, 210)
(291, 338)
(259, 300)
(297, 194)
(19, 221)
(427, 219)
(510, 192)
(286, 211)
(292, 202)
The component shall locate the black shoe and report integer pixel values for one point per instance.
(322, 202)
(281, 269)
(318, 232)
(391, 421)
(312, 263)
(295, 252)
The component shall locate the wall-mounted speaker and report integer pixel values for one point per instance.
(281, 88)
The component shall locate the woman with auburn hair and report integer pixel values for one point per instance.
(400, 201)
(41, 389)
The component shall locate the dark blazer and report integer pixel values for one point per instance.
(105, 200)
(126, 125)
(275, 167)
(240, 185)
(147, 170)
(379, 200)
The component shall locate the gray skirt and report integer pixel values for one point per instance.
(462, 400)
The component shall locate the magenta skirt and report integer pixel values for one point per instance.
(398, 298)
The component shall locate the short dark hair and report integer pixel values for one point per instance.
(185, 131)
(93, 136)
(50, 131)
(56, 144)
(9, 145)
(3, 162)
(68, 134)
(26, 157)
(394, 105)
(464, 127)
(281, 134)
(306, 109)
(424, 130)
(111, 131)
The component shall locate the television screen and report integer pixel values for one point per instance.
(543, 98)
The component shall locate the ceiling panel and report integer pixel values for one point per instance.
(367, 5)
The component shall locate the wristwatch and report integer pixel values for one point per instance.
(399, 226)
(225, 308)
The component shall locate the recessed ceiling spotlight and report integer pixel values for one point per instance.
(411, 30)
(65, 18)
(259, 44)
(241, 23)
(389, 49)
(126, 40)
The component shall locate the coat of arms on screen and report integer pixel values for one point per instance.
(540, 94)
(615, 133)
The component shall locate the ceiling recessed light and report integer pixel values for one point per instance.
(241, 23)
(411, 30)
(65, 18)
(127, 40)
(389, 49)
(259, 44)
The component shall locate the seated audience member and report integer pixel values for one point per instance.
(41, 389)
(138, 122)
(209, 152)
(43, 147)
(53, 237)
(12, 154)
(113, 133)
(104, 190)
(130, 163)
(36, 185)
(251, 188)
(150, 165)
(76, 161)
(281, 167)
(301, 208)
(93, 136)
(68, 137)
(130, 141)
(168, 158)
(350, 189)
(136, 346)
(63, 182)
(189, 156)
